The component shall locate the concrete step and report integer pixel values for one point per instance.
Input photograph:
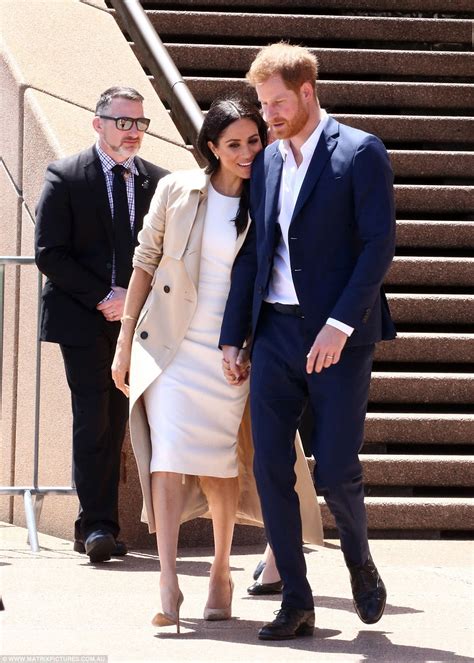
(420, 387)
(346, 96)
(414, 513)
(432, 309)
(435, 234)
(419, 129)
(428, 271)
(310, 28)
(412, 198)
(419, 428)
(432, 164)
(236, 59)
(450, 7)
(417, 470)
(415, 347)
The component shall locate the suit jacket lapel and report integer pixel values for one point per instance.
(273, 168)
(96, 180)
(321, 156)
(142, 195)
(195, 212)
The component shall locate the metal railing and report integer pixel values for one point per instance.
(32, 508)
(185, 110)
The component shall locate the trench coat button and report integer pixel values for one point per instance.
(144, 335)
(166, 288)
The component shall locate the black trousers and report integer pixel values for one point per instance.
(100, 413)
(279, 390)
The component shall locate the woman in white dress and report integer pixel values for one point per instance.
(184, 417)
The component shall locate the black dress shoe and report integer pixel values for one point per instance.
(120, 549)
(263, 588)
(368, 591)
(99, 545)
(259, 569)
(289, 623)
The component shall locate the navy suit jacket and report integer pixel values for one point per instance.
(74, 243)
(341, 239)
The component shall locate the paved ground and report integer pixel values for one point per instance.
(59, 604)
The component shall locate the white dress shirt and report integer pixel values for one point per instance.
(281, 288)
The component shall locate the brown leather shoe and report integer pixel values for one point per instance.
(289, 623)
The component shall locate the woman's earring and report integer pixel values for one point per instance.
(216, 155)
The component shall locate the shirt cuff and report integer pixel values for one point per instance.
(106, 299)
(340, 325)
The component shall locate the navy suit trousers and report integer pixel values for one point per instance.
(279, 391)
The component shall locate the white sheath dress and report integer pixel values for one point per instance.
(193, 414)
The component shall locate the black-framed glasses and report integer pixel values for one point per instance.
(126, 123)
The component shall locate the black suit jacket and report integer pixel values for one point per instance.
(74, 243)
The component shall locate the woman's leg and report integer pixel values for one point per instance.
(222, 496)
(270, 572)
(168, 501)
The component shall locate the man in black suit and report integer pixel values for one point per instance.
(90, 211)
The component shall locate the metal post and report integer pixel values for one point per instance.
(2, 305)
(32, 509)
(30, 521)
(37, 385)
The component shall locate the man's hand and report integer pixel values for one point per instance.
(112, 309)
(326, 349)
(235, 364)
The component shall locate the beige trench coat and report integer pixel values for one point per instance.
(170, 250)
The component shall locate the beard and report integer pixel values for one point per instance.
(291, 127)
(124, 149)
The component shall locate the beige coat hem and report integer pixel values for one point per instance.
(170, 249)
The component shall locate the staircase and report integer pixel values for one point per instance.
(408, 77)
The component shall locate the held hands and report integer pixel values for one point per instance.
(112, 309)
(326, 349)
(235, 364)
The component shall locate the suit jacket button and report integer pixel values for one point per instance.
(166, 288)
(109, 265)
(144, 335)
(260, 290)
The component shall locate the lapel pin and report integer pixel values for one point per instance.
(145, 183)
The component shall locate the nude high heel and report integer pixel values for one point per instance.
(167, 619)
(218, 614)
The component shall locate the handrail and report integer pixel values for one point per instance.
(185, 110)
(32, 512)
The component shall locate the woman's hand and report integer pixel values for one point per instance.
(121, 366)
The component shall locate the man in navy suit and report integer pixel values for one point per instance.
(87, 219)
(321, 241)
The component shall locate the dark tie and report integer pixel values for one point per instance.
(123, 240)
